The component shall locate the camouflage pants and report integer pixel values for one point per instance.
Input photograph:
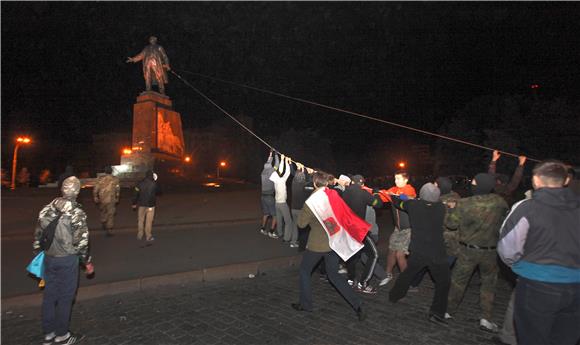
(467, 260)
(451, 243)
(107, 214)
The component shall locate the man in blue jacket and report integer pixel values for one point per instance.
(540, 241)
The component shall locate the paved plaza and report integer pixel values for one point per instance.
(257, 311)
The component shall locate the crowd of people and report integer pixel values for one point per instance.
(435, 231)
(448, 236)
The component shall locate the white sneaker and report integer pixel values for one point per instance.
(488, 326)
(48, 338)
(386, 280)
(263, 232)
(350, 282)
(294, 245)
(342, 270)
(448, 317)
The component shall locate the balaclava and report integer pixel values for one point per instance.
(445, 184)
(485, 183)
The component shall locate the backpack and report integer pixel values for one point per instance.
(48, 233)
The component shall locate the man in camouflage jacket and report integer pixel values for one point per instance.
(106, 196)
(61, 261)
(477, 220)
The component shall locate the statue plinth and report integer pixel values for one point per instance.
(157, 134)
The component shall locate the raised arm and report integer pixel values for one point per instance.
(517, 176)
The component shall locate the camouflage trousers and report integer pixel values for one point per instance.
(107, 214)
(468, 260)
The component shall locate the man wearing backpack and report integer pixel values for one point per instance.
(106, 195)
(69, 245)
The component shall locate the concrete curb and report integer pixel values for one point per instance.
(210, 274)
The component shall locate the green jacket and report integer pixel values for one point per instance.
(478, 219)
(317, 239)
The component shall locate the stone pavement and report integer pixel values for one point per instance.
(257, 311)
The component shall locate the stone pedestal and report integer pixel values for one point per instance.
(157, 136)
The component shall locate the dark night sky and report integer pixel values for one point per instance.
(64, 75)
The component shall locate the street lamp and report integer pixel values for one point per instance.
(402, 165)
(19, 141)
(223, 165)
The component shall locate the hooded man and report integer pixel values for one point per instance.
(145, 198)
(426, 248)
(477, 220)
(61, 261)
(447, 196)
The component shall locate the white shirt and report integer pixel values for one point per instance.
(280, 183)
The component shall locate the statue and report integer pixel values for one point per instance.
(155, 63)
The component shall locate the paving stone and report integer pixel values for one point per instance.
(258, 312)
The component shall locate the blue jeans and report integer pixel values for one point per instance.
(547, 313)
(61, 276)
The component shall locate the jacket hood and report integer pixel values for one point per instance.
(71, 187)
(429, 192)
(557, 197)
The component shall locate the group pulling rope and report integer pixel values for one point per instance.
(297, 99)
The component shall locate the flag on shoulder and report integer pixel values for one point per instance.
(344, 228)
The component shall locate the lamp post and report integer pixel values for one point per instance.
(223, 165)
(19, 141)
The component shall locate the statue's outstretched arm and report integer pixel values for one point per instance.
(137, 57)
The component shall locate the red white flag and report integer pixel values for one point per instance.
(344, 228)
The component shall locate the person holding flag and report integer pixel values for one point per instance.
(335, 233)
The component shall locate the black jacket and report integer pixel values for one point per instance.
(145, 193)
(426, 219)
(358, 199)
(301, 189)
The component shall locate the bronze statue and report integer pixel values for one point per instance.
(155, 63)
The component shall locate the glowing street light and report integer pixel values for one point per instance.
(222, 164)
(187, 159)
(19, 141)
(402, 165)
(127, 151)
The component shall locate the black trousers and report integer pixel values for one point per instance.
(331, 259)
(372, 253)
(439, 269)
(547, 313)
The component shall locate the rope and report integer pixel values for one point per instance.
(357, 114)
(231, 116)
